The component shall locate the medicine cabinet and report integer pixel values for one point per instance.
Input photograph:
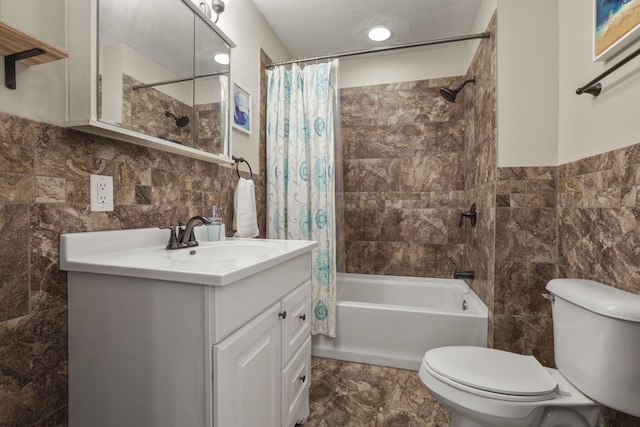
(147, 72)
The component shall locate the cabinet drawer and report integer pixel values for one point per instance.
(296, 324)
(296, 380)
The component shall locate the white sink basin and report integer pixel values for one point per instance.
(142, 253)
(223, 256)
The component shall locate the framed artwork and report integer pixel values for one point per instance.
(241, 109)
(616, 25)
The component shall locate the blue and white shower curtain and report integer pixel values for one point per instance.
(301, 104)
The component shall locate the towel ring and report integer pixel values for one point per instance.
(239, 160)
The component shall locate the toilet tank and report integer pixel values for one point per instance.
(597, 341)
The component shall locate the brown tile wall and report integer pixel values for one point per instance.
(403, 151)
(526, 259)
(480, 164)
(599, 212)
(44, 191)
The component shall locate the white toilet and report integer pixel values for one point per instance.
(597, 351)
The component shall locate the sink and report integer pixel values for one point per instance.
(222, 256)
(142, 253)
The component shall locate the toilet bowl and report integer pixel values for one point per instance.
(486, 387)
(596, 328)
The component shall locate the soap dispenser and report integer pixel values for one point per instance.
(215, 230)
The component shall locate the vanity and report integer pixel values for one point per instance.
(213, 335)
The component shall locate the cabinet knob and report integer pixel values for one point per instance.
(303, 378)
(283, 314)
(303, 317)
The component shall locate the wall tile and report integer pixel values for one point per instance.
(17, 188)
(541, 235)
(33, 366)
(430, 226)
(50, 163)
(14, 261)
(16, 158)
(526, 335)
(519, 288)
(360, 224)
(358, 110)
(394, 225)
(50, 190)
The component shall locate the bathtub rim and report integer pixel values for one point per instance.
(477, 307)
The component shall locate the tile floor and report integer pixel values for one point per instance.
(345, 394)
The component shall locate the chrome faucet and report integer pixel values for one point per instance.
(185, 237)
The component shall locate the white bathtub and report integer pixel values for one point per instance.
(394, 320)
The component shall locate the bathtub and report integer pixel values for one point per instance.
(394, 320)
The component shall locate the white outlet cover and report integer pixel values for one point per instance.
(101, 193)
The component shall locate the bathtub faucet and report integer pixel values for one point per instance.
(464, 274)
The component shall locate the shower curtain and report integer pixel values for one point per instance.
(301, 114)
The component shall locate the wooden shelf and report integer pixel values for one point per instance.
(15, 41)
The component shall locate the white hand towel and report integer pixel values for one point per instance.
(245, 218)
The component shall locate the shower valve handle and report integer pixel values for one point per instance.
(472, 215)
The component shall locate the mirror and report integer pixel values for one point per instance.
(157, 73)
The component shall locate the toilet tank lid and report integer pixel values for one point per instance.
(598, 298)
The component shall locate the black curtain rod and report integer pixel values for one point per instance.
(594, 87)
(384, 49)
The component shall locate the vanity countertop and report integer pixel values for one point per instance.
(141, 253)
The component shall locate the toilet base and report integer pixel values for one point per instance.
(459, 420)
(555, 417)
(569, 409)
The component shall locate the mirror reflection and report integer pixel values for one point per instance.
(161, 78)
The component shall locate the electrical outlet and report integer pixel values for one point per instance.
(101, 193)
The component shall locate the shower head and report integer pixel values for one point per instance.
(451, 94)
(180, 121)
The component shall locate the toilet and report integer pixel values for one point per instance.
(597, 342)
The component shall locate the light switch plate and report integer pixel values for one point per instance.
(101, 193)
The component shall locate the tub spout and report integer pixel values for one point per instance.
(467, 274)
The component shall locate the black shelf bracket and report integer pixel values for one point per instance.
(10, 65)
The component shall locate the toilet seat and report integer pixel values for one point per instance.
(491, 373)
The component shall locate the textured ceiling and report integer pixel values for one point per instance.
(319, 27)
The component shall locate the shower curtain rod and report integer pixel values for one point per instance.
(186, 79)
(485, 35)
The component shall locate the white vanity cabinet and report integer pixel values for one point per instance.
(154, 341)
(263, 369)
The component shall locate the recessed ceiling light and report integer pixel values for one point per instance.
(222, 58)
(379, 34)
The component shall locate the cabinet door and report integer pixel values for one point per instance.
(247, 374)
(296, 325)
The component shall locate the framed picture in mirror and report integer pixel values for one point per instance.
(241, 109)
